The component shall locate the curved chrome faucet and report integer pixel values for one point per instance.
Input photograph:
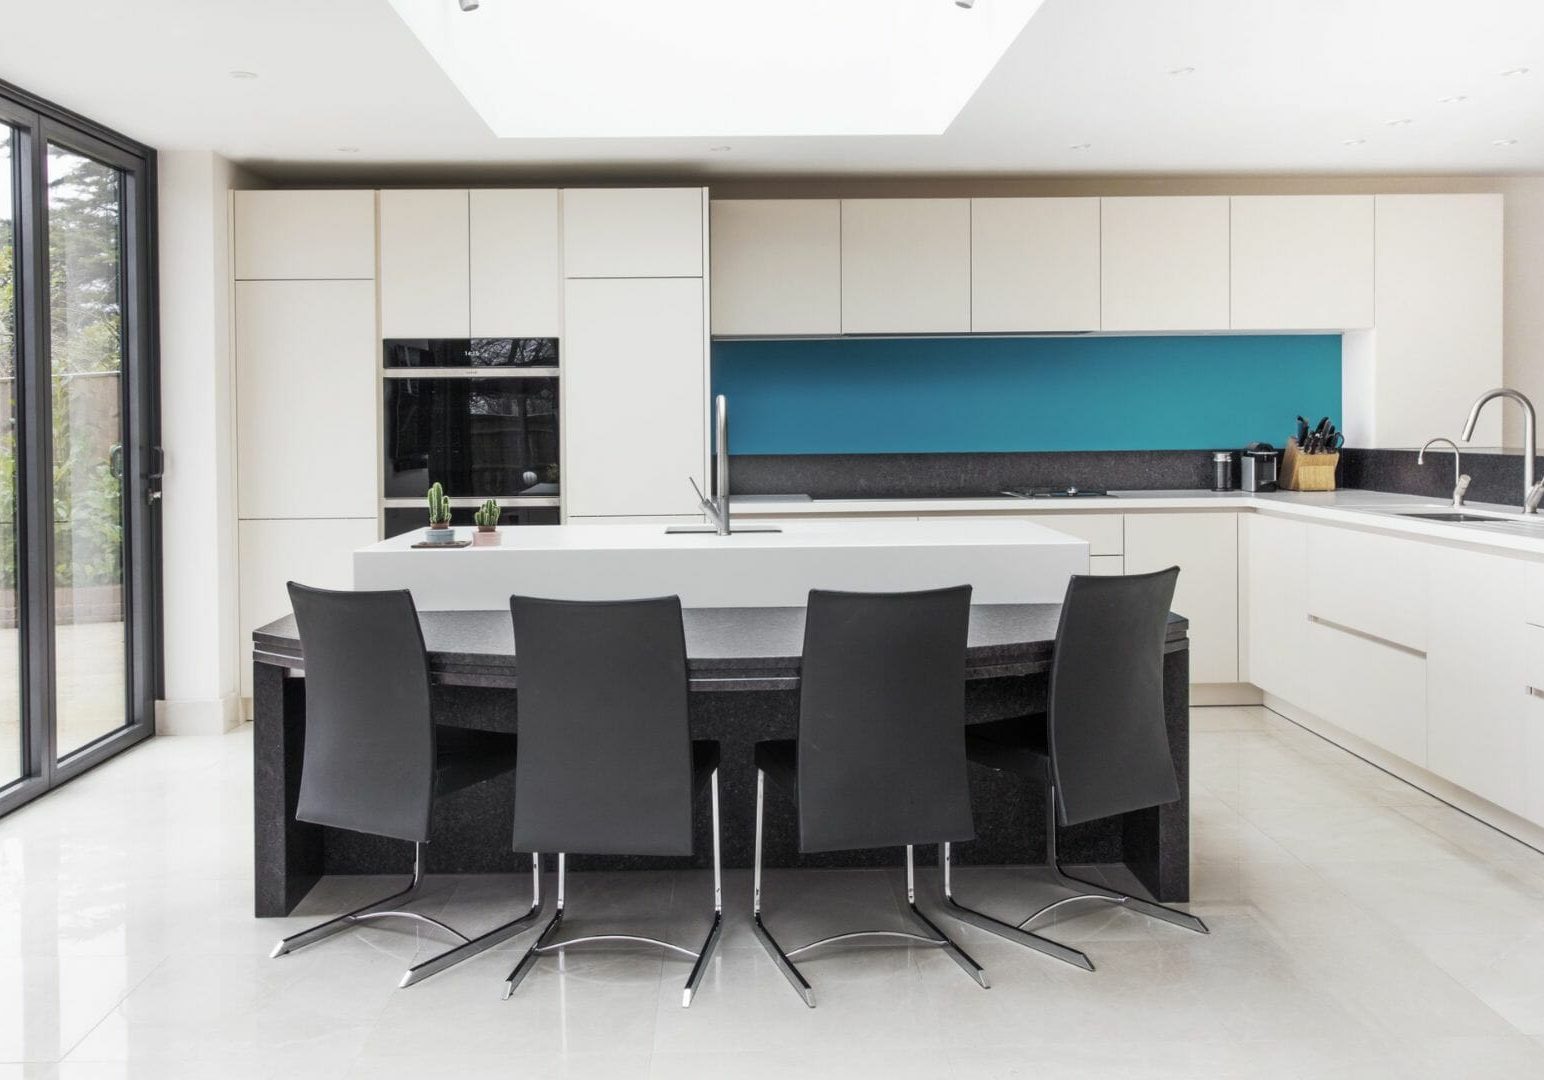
(1532, 492)
(1460, 480)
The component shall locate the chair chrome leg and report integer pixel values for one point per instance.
(346, 921)
(944, 942)
(1006, 930)
(700, 966)
(451, 957)
(774, 950)
(528, 961)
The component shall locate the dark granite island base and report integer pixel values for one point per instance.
(744, 670)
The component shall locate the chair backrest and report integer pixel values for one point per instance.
(1108, 740)
(882, 720)
(604, 764)
(369, 746)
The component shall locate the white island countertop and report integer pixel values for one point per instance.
(1007, 562)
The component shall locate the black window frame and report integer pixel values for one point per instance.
(39, 124)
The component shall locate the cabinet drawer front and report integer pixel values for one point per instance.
(1374, 691)
(1370, 583)
(1105, 533)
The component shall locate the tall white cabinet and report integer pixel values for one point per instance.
(635, 353)
(306, 403)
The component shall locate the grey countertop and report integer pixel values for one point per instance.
(726, 648)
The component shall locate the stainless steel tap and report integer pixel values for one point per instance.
(1532, 492)
(1460, 478)
(716, 509)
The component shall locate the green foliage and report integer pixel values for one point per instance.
(439, 506)
(487, 514)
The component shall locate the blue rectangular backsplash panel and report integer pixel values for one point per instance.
(919, 395)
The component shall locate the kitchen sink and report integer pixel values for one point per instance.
(1457, 516)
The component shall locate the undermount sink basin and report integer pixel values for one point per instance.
(1454, 515)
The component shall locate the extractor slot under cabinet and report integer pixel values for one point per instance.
(1374, 690)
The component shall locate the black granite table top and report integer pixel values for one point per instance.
(726, 648)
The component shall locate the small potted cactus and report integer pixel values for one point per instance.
(487, 518)
(439, 531)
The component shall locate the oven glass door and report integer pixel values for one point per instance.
(490, 438)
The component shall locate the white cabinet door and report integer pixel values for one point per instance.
(1106, 565)
(425, 264)
(633, 232)
(304, 234)
(1205, 548)
(1164, 263)
(1273, 606)
(1302, 262)
(634, 396)
(306, 408)
(1370, 583)
(1105, 533)
(1533, 748)
(516, 263)
(776, 266)
(273, 553)
(1374, 690)
(905, 266)
(1438, 341)
(1034, 264)
(1475, 674)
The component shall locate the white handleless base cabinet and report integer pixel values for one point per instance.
(1273, 605)
(273, 553)
(1476, 681)
(1205, 548)
(1373, 689)
(634, 396)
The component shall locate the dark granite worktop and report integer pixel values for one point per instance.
(726, 648)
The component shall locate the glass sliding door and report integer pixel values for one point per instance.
(12, 732)
(79, 466)
(85, 293)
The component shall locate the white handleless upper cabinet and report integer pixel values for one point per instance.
(1302, 262)
(425, 272)
(304, 234)
(516, 263)
(1034, 264)
(634, 396)
(1438, 341)
(1205, 548)
(633, 232)
(1164, 263)
(776, 266)
(306, 410)
(905, 266)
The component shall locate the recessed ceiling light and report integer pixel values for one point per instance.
(1403, 121)
(348, 149)
(1453, 99)
(1182, 71)
(1516, 71)
(1352, 142)
(1081, 146)
(243, 74)
(720, 149)
(1503, 142)
(777, 67)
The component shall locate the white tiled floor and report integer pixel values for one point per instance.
(1360, 929)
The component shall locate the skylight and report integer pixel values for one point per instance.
(673, 68)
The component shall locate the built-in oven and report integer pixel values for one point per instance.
(478, 416)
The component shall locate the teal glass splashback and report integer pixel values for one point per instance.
(939, 395)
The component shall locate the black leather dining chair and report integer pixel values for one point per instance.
(607, 763)
(374, 761)
(1102, 746)
(880, 756)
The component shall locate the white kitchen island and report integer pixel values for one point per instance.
(1007, 562)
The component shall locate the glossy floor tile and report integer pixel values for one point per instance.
(1360, 928)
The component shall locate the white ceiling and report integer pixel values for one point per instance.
(1277, 86)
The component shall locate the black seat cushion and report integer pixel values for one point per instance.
(704, 761)
(1016, 745)
(464, 757)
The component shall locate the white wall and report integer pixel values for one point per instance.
(1523, 341)
(198, 522)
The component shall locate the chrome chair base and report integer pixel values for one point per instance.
(544, 942)
(469, 947)
(936, 938)
(1083, 890)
